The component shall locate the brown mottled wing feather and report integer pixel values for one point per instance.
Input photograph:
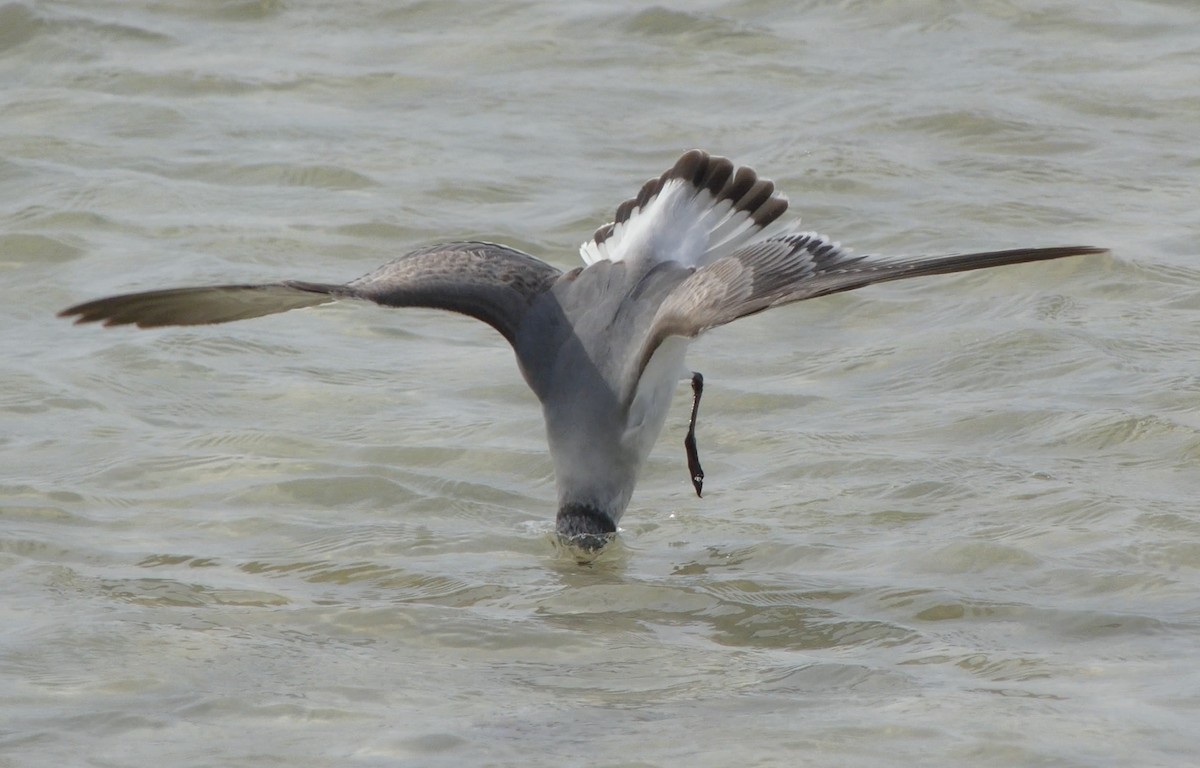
(489, 282)
(797, 267)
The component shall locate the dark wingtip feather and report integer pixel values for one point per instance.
(712, 173)
(717, 176)
(691, 165)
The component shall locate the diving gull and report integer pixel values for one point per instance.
(602, 345)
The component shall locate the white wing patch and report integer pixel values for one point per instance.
(695, 213)
(670, 227)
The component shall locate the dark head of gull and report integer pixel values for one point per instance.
(585, 527)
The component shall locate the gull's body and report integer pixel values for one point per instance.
(601, 346)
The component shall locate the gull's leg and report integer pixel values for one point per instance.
(689, 442)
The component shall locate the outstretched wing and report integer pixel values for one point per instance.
(201, 305)
(802, 266)
(489, 282)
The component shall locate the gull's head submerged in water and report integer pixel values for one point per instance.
(602, 346)
(585, 527)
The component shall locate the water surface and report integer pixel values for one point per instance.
(946, 522)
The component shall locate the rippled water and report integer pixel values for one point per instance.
(947, 522)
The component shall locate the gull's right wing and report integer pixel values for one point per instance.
(791, 268)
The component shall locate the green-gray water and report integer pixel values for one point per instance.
(947, 522)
